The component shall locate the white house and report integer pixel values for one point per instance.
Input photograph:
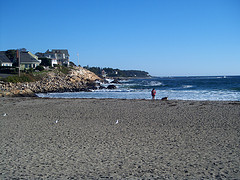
(58, 56)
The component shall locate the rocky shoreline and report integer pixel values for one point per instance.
(78, 79)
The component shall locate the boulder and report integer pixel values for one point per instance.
(102, 87)
(111, 87)
(164, 98)
(115, 81)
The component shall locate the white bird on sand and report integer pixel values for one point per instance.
(4, 114)
(56, 121)
(116, 122)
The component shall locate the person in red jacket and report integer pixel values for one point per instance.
(153, 93)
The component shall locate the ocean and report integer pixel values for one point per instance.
(213, 88)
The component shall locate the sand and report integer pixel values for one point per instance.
(80, 139)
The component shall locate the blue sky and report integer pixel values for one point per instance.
(162, 37)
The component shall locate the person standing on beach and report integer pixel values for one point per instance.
(153, 94)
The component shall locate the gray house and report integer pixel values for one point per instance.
(4, 61)
(28, 60)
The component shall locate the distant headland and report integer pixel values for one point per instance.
(117, 73)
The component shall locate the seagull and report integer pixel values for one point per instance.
(4, 114)
(56, 121)
(116, 122)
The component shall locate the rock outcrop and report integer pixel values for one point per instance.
(111, 87)
(78, 79)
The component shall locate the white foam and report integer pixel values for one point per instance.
(145, 94)
(125, 80)
(154, 83)
(187, 86)
(109, 80)
(123, 92)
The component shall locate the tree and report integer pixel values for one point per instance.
(71, 63)
(11, 54)
(45, 61)
(117, 72)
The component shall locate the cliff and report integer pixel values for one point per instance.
(77, 79)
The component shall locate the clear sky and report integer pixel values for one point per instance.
(162, 37)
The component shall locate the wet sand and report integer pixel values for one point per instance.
(80, 139)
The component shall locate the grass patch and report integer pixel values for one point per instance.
(22, 78)
(32, 76)
(63, 69)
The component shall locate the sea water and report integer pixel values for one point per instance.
(214, 88)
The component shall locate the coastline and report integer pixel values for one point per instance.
(212, 88)
(153, 139)
(77, 79)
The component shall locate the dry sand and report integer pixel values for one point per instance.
(152, 139)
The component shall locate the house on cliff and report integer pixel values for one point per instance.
(4, 60)
(58, 56)
(28, 60)
(11, 58)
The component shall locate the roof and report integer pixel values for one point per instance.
(27, 58)
(39, 54)
(58, 51)
(4, 58)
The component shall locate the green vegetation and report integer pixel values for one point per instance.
(22, 78)
(8, 70)
(117, 72)
(45, 62)
(39, 68)
(62, 69)
(71, 64)
(31, 75)
(11, 54)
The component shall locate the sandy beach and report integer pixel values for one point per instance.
(119, 139)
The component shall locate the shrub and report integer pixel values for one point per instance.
(63, 69)
(46, 62)
(30, 70)
(40, 68)
(22, 78)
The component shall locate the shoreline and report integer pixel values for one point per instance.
(62, 138)
(134, 99)
(149, 99)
